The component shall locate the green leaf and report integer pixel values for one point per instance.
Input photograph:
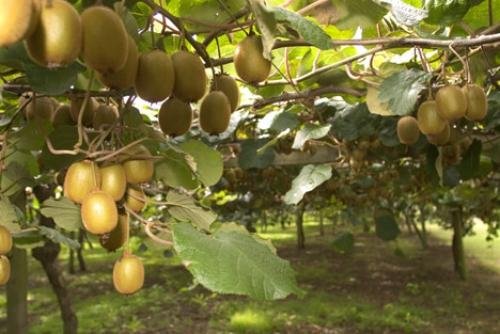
(57, 237)
(359, 13)
(52, 81)
(344, 243)
(250, 158)
(445, 12)
(402, 90)
(386, 226)
(279, 120)
(308, 30)
(469, 166)
(65, 213)
(310, 177)
(64, 138)
(15, 179)
(183, 208)
(267, 25)
(310, 131)
(354, 121)
(209, 164)
(234, 262)
(128, 19)
(174, 171)
(8, 215)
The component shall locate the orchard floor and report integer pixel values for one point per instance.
(373, 289)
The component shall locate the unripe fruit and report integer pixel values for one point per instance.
(104, 117)
(114, 181)
(135, 199)
(105, 40)
(57, 38)
(4, 270)
(18, 19)
(88, 113)
(249, 62)
(441, 138)
(5, 240)
(128, 274)
(190, 77)
(429, 121)
(81, 178)
(116, 238)
(175, 117)
(38, 107)
(229, 87)
(155, 76)
(99, 212)
(138, 170)
(125, 77)
(407, 129)
(451, 103)
(215, 113)
(477, 102)
(62, 116)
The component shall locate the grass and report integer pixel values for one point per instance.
(377, 288)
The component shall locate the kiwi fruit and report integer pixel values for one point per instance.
(175, 117)
(228, 86)
(105, 40)
(155, 76)
(138, 170)
(99, 212)
(451, 103)
(116, 238)
(249, 62)
(81, 178)
(135, 199)
(441, 138)
(114, 181)
(128, 274)
(215, 113)
(39, 107)
(57, 38)
(5, 240)
(4, 270)
(477, 102)
(429, 121)
(190, 77)
(62, 116)
(88, 113)
(408, 131)
(18, 19)
(125, 77)
(105, 116)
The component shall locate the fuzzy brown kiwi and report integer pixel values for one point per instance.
(114, 181)
(128, 274)
(99, 212)
(190, 77)
(4, 270)
(441, 138)
(451, 103)
(138, 166)
(228, 86)
(62, 116)
(429, 121)
(477, 102)
(18, 19)
(250, 64)
(155, 76)
(175, 117)
(104, 116)
(39, 107)
(88, 113)
(215, 113)
(115, 239)
(81, 178)
(408, 131)
(5, 240)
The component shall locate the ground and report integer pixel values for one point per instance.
(377, 288)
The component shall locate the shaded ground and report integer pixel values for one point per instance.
(371, 290)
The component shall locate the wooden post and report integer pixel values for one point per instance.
(17, 293)
(458, 243)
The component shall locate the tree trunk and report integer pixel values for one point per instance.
(264, 221)
(321, 226)
(299, 222)
(17, 293)
(458, 244)
(71, 262)
(79, 251)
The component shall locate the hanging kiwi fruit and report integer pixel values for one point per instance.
(81, 178)
(41, 107)
(451, 103)
(477, 102)
(407, 130)
(57, 38)
(105, 40)
(190, 77)
(429, 120)
(215, 113)
(91, 106)
(114, 181)
(4, 270)
(128, 274)
(105, 116)
(141, 169)
(62, 116)
(155, 76)
(99, 212)
(249, 62)
(18, 20)
(118, 237)
(229, 87)
(175, 117)
(441, 138)
(135, 199)
(5, 240)
(125, 77)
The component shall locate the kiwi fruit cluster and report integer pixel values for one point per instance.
(5, 248)
(435, 116)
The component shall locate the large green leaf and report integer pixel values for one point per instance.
(175, 172)
(354, 121)
(402, 90)
(310, 177)
(57, 237)
(232, 261)
(184, 208)
(308, 30)
(52, 81)
(64, 213)
(251, 157)
(445, 12)
(266, 22)
(279, 120)
(209, 164)
(359, 13)
(8, 215)
(310, 131)
(469, 166)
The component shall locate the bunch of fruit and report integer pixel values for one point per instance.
(5, 247)
(451, 103)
